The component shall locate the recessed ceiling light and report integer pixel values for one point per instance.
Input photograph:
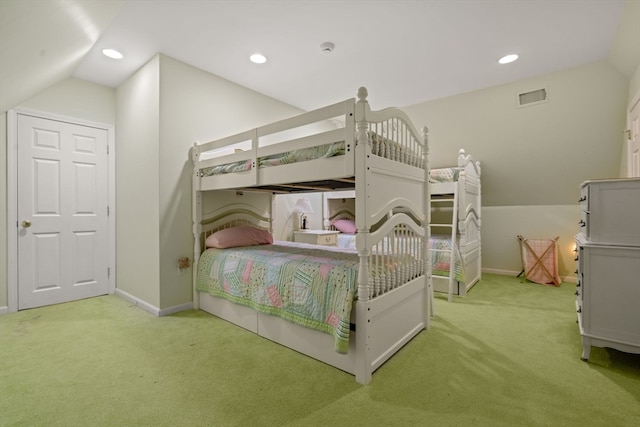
(508, 58)
(258, 58)
(112, 53)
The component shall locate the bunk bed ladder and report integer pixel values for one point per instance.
(453, 200)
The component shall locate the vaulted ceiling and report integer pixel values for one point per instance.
(404, 51)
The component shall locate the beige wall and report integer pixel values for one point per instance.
(158, 114)
(162, 111)
(534, 157)
(167, 105)
(137, 186)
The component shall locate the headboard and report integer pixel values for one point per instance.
(234, 215)
(338, 205)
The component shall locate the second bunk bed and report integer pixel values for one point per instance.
(455, 224)
(350, 309)
(456, 212)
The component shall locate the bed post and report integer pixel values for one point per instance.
(363, 369)
(196, 213)
(427, 232)
(479, 219)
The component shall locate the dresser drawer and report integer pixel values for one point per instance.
(610, 292)
(317, 237)
(328, 239)
(609, 211)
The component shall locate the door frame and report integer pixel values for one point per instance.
(635, 101)
(12, 196)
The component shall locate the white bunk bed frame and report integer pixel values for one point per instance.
(464, 197)
(393, 193)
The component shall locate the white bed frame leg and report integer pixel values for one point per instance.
(363, 368)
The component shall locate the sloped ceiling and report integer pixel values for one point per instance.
(404, 51)
(43, 42)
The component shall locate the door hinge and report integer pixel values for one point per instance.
(108, 272)
(108, 211)
(107, 149)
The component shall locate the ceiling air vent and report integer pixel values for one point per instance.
(532, 97)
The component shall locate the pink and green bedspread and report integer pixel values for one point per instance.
(300, 155)
(441, 257)
(310, 287)
(380, 146)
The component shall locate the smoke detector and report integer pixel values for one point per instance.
(327, 47)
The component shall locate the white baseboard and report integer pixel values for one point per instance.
(4, 310)
(151, 308)
(137, 301)
(176, 309)
(570, 279)
(501, 272)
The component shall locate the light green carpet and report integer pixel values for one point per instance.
(506, 355)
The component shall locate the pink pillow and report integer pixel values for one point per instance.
(347, 226)
(238, 236)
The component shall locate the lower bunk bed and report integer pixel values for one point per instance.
(456, 226)
(352, 309)
(305, 296)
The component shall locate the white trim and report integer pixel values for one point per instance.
(151, 308)
(570, 279)
(12, 196)
(137, 301)
(12, 211)
(500, 272)
(175, 309)
(628, 146)
(4, 310)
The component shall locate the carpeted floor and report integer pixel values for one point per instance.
(506, 355)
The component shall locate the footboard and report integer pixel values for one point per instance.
(394, 293)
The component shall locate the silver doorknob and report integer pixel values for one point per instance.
(26, 223)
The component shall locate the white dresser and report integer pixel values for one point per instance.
(608, 258)
(316, 237)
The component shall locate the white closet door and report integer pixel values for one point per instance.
(62, 211)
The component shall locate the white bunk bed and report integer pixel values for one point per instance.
(455, 226)
(381, 157)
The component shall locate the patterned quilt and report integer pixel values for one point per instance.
(380, 146)
(307, 286)
(301, 155)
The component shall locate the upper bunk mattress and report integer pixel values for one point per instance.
(444, 174)
(380, 146)
(301, 155)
